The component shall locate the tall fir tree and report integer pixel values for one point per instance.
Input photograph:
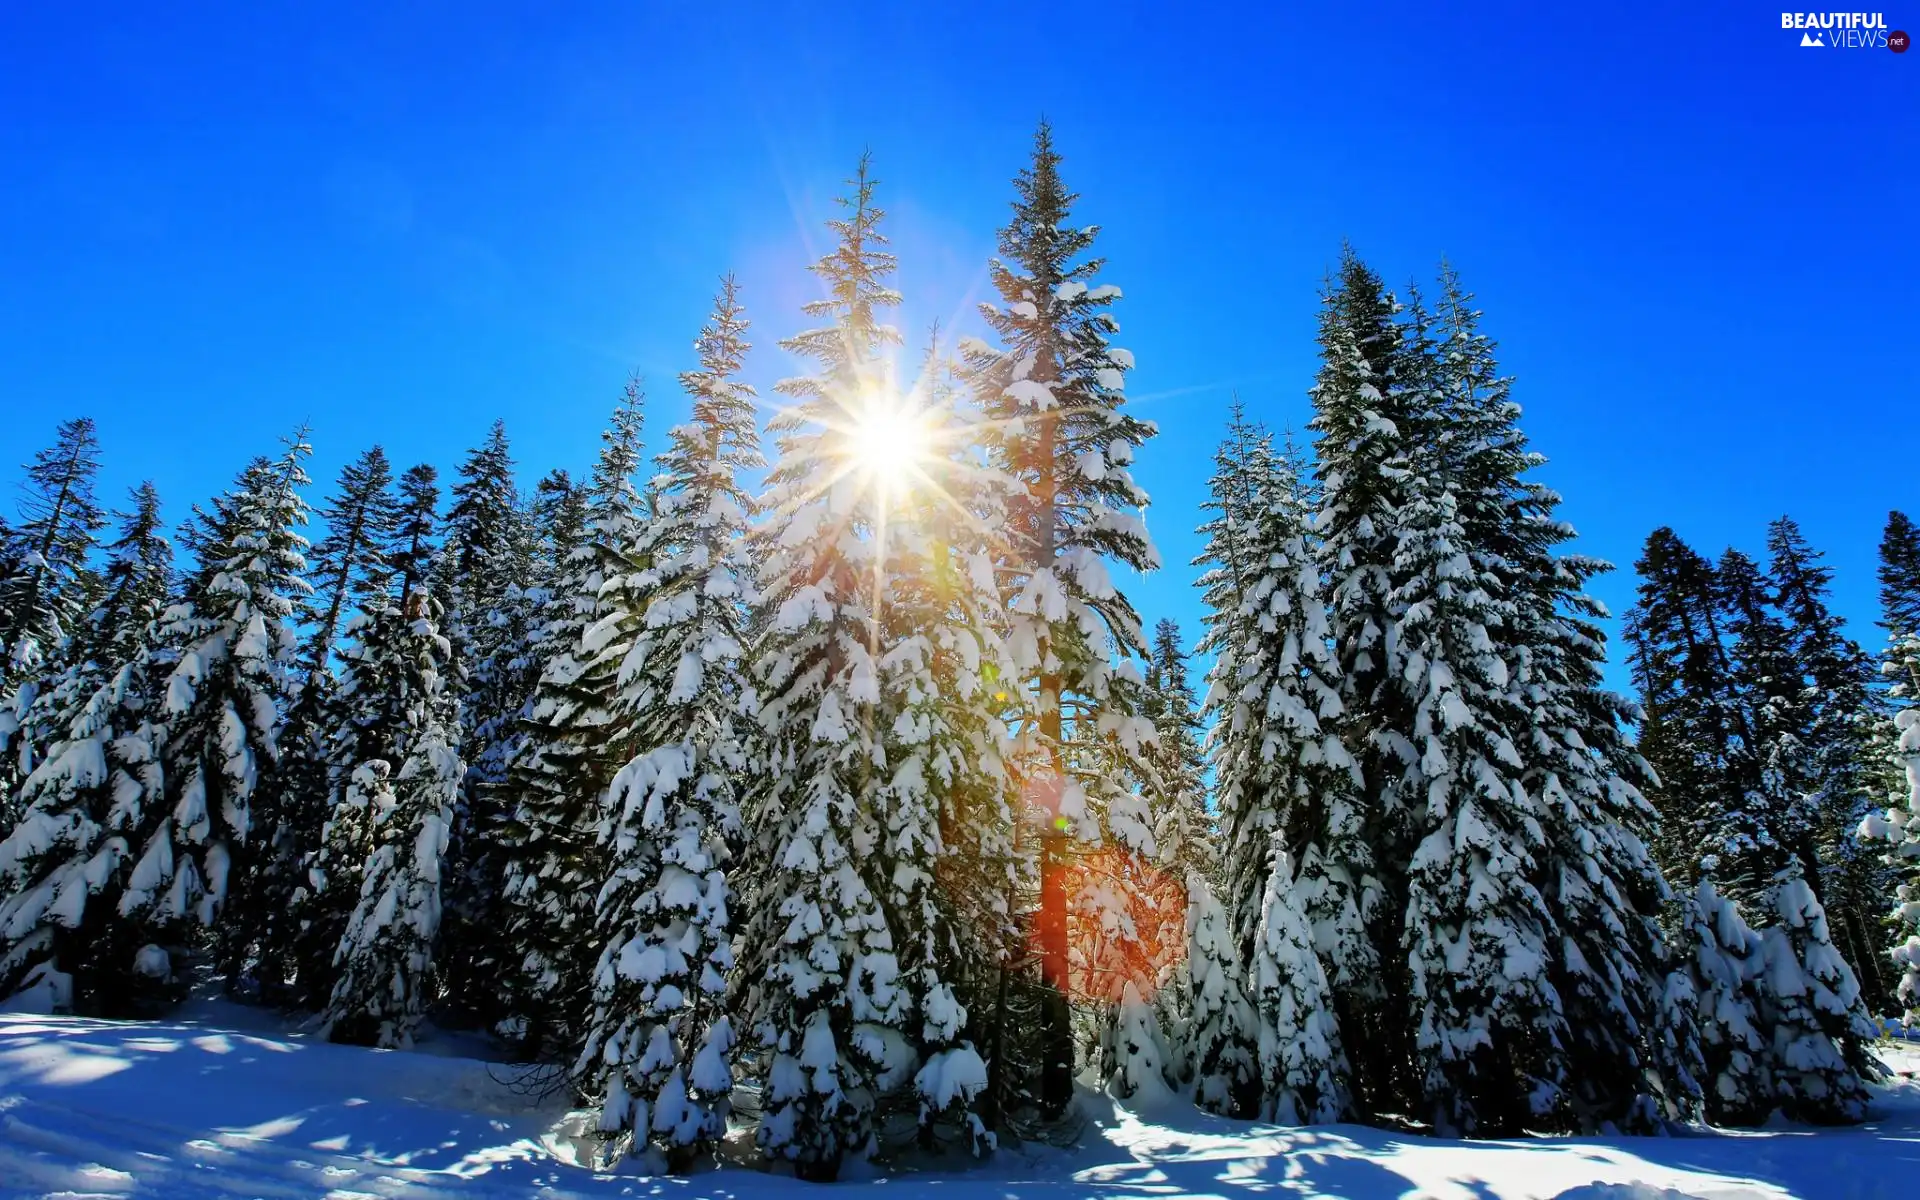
(1899, 826)
(1054, 389)
(367, 719)
(94, 796)
(1369, 425)
(1843, 711)
(1600, 883)
(486, 578)
(659, 1048)
(822, 984)
(1690, 728)
(345, 569)
(231, 643)
(1776, 820)
(47, 588)
(384, 965)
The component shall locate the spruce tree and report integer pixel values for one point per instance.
(1303, 1068)
(45, 591)
(486, 578)
(1843, 710)
(352, 726)
(1599, 882)
(1491, 1039)
(942, 811)
(1176, 788)
(231, 643)
(1219, 1044)
(1054, 390)
(1721, 956)
(571, 742)
(385, 961)
(1899, 826)
(95, 794)
(348, 566)
(1370, 425)
(659, 1048)
(1690, 728)
(821, 976)
(1810, 1009)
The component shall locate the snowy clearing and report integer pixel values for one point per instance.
(203, 1107)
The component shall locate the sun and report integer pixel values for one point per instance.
(889, 442)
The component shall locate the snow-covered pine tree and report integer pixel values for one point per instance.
(1219, 1042)
(1176, 789)
(1690, 724)
(1721, 956)
(1370, 424)
(486, 578)
(572, 741)
(48, 586)
(358, 721)
(231, 642)
(1303, 1065)
(1054, 393)
(659, 1048)
(1491, 1038)
(1771, 762)
(64, 867)
(347, 566)
(1600, 883)
(345, 569)
(1844, 710)
(1279, 763)
(1810, 1008)
(823, 1001)
(1900, 825)
(942, 811)
(385, 961)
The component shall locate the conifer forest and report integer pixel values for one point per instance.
(805, 772)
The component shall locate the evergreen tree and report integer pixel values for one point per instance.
(1900, 577)
(1054, 392)
(572, 741)
(1771, 766)
(942, 811)
(822, 980)
(348, 566)
(1370, 425)
(1690, 729)
(47, 587)
(1176, 787)
(1843, 711)
(1900, 825)
(385, 960)
(64, 868)
(1722, 956)
(1599, 882)
(1810, 1008)
(1302, 1066)
(231, 643)
(659, 1048)
(1220, 1037)
(487, 576)
(346, 569)
(1491, 1037)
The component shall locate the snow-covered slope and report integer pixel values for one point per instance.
(189, 1109)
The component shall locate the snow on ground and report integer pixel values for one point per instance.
(223, 1103)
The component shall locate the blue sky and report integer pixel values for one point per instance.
(1694, 239)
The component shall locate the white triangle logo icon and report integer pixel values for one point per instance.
(1811, 39)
